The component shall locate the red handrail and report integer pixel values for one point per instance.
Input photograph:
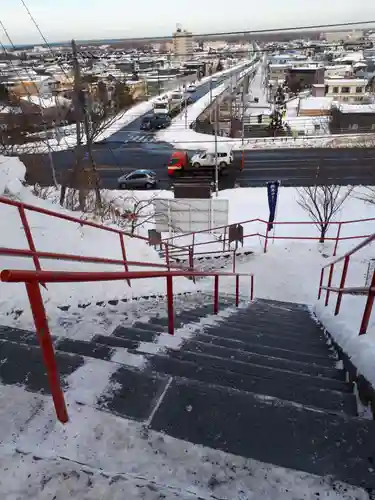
(23, 207)
(33, 279)
(342, 290)
(191, 251)
(15, 252)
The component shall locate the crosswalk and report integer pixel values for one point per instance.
(140, 138)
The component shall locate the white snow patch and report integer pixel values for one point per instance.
(89, 381)
(98, 454)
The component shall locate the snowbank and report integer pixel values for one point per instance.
(344, 328)
(55, 235)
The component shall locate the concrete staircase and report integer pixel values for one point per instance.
(260, 382)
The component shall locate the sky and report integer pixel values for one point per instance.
(61, 20)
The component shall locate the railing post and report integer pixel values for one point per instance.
(266, 240)
(237, 289)
(368, 307)
(329, 284)
(321, 283)
(337, 239)
(29, 237)
(251, 288)
(45, 341)
(123, 251)
(193, 242)
(167, 256)
(191, 260)
(224, 238)
(216, 294)
(342, 284)
(170, 305)
(234, 262)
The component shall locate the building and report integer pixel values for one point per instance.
(182, 44)
(350, 90)
(304, 77)
(348, 118)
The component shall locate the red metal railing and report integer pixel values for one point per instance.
(33, 279)
(191, 250)
(36, 255)
(342, 290)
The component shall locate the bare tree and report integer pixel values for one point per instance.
(322, 203)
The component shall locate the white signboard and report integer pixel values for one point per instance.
(188, 215)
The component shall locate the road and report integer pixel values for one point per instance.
(293, 167)
(304, 167)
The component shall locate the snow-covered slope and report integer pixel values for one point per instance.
(55, 235)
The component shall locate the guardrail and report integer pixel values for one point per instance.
(36, 255)
(189, 251)
(33, 280)
(342, 290)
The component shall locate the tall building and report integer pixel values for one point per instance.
(182, 44)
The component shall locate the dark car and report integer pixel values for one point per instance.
(155, 122)
(139, 179)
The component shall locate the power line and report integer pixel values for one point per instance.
(249, 32)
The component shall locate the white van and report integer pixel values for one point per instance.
(208, 159)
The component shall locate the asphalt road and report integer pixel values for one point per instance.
(304, 167)
(293, 167)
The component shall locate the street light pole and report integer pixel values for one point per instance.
(216, 158)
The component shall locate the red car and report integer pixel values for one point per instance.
(177, 163)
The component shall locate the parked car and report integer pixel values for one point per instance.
(155, 122)
(191, 88)
(208, 159)
(139, 179)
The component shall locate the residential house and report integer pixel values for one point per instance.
(349, 90)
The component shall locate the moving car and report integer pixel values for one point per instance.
(177, 163)
(191, 88)
(155, 122)
(139, 179)
(208, 159)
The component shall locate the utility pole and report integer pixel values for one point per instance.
(80, 104)
(216, 158)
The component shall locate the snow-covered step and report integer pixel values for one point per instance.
(269, 429)
(278, 375)
(250, 345)
(198, 346)
(275, 339)
(192, 368)
(22, 364)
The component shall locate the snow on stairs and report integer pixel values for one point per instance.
(261, 383)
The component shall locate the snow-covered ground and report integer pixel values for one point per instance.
(291, 221)
(97, 455)
(55, 235)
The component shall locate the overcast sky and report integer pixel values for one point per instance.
(61, 20)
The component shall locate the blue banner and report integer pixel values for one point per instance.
(272, 192)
